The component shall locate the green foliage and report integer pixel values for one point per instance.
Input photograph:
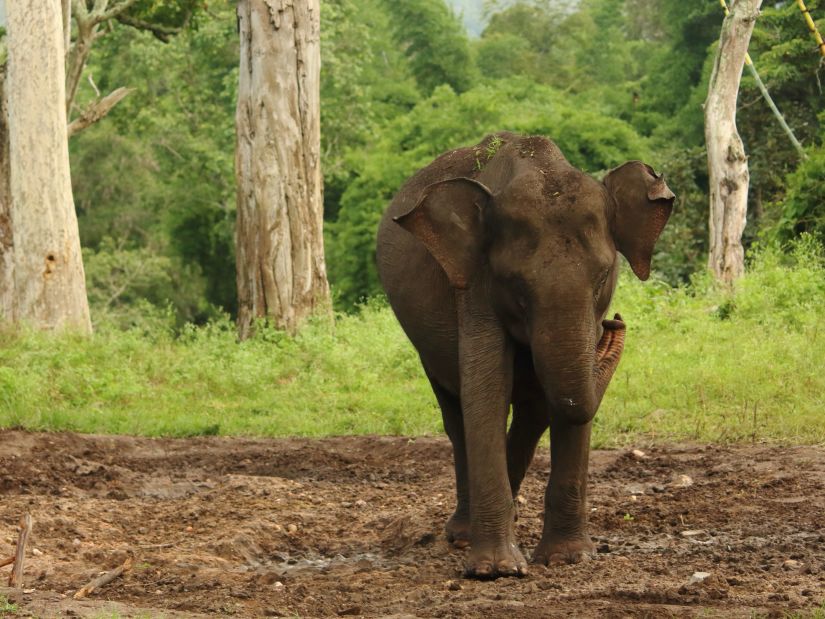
(366, 81)
(700, 363)
(434, 42)
(138, 287)
(157, 174)
(803, 210)
(165, 14)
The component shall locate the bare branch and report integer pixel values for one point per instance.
(79, 10)
(103, 579)
(162, 33)
(115, 10)
(94, 86)
(66, 5)
(97, 110)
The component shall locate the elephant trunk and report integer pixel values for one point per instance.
(574, 369)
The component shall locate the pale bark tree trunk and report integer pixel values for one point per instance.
(41, 267)
(280, 253)
(727, 162)
(6, 238)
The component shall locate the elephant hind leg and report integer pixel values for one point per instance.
(458, 526)
(530, 421)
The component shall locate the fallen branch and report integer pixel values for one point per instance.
(97, 110)
(16, 576)
(103, 579)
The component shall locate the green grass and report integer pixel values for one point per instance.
(700, 363)
(6, 607)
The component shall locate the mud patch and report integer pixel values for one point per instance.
(353, 526)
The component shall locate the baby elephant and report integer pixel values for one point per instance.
(499, 261)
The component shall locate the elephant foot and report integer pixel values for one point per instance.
(563, 551)
(458, 530)
(488, 563)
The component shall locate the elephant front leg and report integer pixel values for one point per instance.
(565, 538)
(494, 551)
(486, 386)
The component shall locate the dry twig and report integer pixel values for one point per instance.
(16, 576)
(96, 110)
(103, 579)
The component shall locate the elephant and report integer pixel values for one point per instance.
(499, 261)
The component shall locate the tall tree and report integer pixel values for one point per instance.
(727, 162)
(41, 278)
(279, 241)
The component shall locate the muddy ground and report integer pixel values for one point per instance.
(353, 526)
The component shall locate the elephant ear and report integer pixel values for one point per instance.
(643, 206)
(447, 220)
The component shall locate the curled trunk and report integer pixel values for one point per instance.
(575, 370)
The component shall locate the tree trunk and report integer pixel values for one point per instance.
(727, 162)
(6, 238)
(280, 251)
(41, 267)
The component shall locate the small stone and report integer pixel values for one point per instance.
(521, 500)
(638, 454)
(291, 528)
(76, 542)
(28, 591)
(454, 585)
(189, 529)
(683, 481)
(698, 577)
(658, 489)
(37, 552)
(278, 584)
(792, 564)
(692, 533)
(360, 503)
(635, 489)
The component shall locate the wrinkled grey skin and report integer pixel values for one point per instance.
(499, 261)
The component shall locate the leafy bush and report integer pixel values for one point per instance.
(803, 210)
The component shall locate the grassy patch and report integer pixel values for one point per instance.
(700, 363)
(6, 607)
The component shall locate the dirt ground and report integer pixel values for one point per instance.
(353, 526)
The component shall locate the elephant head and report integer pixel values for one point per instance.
(538, 239)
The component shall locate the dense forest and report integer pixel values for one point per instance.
(608, 80)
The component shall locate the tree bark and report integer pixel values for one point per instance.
(41, 267)
(727, 162)
(281, 272)
(6, 236)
